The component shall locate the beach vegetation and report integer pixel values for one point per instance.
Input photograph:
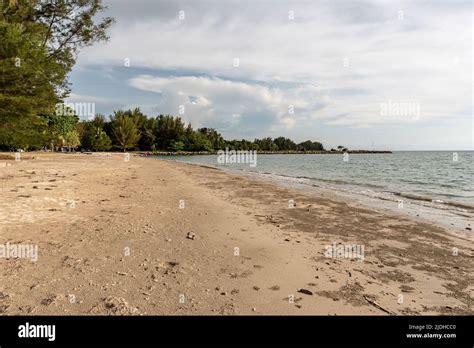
(125, 129)
(170, 133)
(40, 43)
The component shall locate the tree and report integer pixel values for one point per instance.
(124, 130)
(98, 121)
(29, 81)
(176, 146)
(284, 143)
(264, 144)
(40, 43)
(188, 137)
(94, 137)
(71, 139)
(168, 129)
(70, 26)
(216, 140)
(101, 141)
(200, 143)
(59, 125)
(309, 145)
(148, 138)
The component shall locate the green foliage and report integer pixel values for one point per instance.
(59, 126)
(94, 137)
(71, 139)
(101, 141)
(26, 138)
(40, 41)
(216, 140)
(264, 144)
(98, 121)
(168, 133)
(199, 142)
(310, 146)
(176, 146)
(168, 129)
(124, 129)
(284, 143)
(29, 81)
(147, 128)
(71, 26)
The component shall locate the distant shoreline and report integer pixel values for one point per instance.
(203, 153)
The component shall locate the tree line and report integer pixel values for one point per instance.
(133, 130)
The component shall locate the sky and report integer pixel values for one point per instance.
(388, 75)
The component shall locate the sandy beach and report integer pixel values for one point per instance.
(148, 236)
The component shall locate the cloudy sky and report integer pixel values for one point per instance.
(364, 74)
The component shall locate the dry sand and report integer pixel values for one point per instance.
(113, 238)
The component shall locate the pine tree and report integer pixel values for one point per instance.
(39, 45)
(124, 130)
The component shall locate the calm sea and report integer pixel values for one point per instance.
(443, 177)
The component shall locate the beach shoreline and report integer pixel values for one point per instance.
(452, 216)
(145, 236)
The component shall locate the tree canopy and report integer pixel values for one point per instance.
(40, 43)
(133, 130)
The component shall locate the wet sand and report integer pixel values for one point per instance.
(149, 236)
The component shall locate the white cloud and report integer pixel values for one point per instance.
(80, 98)
(425, 58)
(226, 102)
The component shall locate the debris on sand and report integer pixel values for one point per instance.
(305, 291)
(114, 305)
(4, 306)
(376, 305)
(51, 299)
(191, 235)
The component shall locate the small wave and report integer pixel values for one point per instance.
(343, 182)
(442, 200)
(413, 196)
(460, 205)
(366, 189)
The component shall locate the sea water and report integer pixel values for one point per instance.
(439, 177)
